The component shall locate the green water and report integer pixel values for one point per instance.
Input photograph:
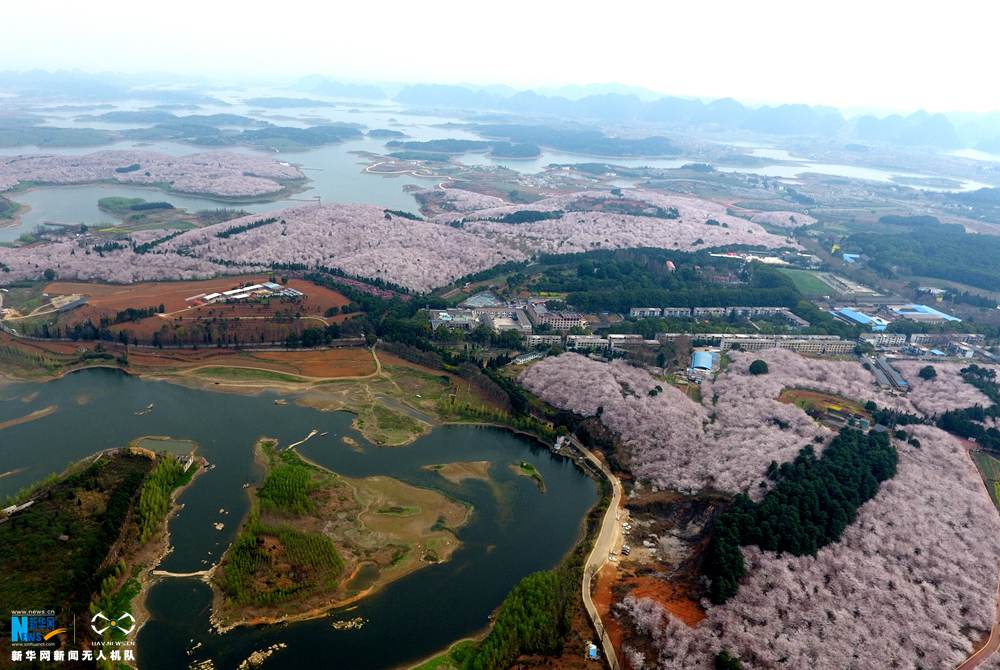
(514, 529)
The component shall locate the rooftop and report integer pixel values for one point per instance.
(482, 299)
(922, 313)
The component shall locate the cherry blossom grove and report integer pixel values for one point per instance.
(725, 443)
(221, 174)
(358, 239)
(577, 231)
(910, 584)
(783, 219)
(70, 260)
(944, 392)
(361, 240)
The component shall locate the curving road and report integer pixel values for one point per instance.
(988, 649)
(603, 545)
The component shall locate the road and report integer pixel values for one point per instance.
(603, 545)
(993, 641)
(988, 649)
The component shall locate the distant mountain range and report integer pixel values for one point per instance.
(921, 128)
(321, 85)
(615, 103)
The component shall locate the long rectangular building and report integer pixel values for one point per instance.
(716, 312)
(817, 345)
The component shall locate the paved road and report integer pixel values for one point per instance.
(604, 543)
(987, 649)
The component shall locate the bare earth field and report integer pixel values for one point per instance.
(186, 319)
(457, 473)
(311, 365)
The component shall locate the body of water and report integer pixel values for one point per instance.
(337, 173)
(514, 529)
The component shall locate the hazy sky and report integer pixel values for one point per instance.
(874, 53)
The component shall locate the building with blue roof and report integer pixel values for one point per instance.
(874, 323)
(703, 363)
(701, 360)
(922, 313)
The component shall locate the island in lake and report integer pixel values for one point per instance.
(315, 540)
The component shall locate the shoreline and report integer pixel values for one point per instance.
(327, 608)
(147, 579)
(15, 221)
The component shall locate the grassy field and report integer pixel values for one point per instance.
(808, 283)
(386, 427)
(989, 468)
(452, 659)
(807, 400)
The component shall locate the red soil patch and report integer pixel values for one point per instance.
(188, 321)
(323, 363)
(116, 297)
(612, 585)
(674, 599)
(603, 601)
(327, 363)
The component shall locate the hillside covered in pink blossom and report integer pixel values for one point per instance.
(365, 240)
(585, 226)
(220, 174)
(727, 442)
(909, 585)
(946, 391)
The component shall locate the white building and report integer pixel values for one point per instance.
(588, 342)
(547, 340)
(884, 340)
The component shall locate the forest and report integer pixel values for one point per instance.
(297, 564)
(288, 487)
(974, 422)
(618, 280)
(941, 251)
(813, 501)
(37, 566)
(533, 619)
(154, 501)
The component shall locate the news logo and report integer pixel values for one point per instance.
(29, 627)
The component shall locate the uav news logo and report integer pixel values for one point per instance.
(124, 623)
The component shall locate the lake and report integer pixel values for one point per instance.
(337, 173)
(514, 530)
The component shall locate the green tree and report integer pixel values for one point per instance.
(725, 661)
(758, 367)
(927, 372)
